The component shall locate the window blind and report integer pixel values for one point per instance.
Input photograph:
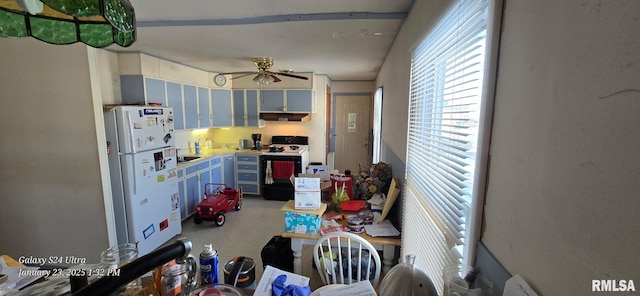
(446, 91)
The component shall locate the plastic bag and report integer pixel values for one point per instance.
(339, 195)
(344, 181)
(279, 288)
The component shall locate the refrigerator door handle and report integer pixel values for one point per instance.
(130, 132)
(135, 178)
(130, 166)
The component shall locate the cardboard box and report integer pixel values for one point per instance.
(302, 221)
(307, 193)
(321, 170)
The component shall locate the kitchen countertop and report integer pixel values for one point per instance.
(207, 153)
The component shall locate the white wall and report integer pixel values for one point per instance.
(563, 197)
(562, 201)
(50, 183)
(394, 76)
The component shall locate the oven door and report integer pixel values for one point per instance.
(281, 189)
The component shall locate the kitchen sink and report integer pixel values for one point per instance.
(187, 158)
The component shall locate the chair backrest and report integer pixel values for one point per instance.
(345, 258)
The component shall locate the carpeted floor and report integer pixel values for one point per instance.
(245, 233)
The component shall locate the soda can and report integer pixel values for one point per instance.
(209, 266)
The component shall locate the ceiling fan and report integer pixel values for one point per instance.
(263, 74)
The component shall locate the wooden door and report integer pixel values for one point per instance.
(353, 131)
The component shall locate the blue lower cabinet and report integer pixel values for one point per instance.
(229, 171)
(248, 173)
(193, 193)
(216, 175)
(183, 200)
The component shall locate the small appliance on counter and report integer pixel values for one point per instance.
(257, 141)
(244, 144)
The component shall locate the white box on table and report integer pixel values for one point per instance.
(321, 170)
(307, 195)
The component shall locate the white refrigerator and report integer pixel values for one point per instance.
(143, 168)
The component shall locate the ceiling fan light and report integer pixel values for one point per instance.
(263, 78)
(269, 79)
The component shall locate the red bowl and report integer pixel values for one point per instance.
(352, 205)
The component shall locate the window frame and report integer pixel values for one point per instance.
(377, 125)
(474, 216)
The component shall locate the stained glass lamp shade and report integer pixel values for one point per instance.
(97, 23)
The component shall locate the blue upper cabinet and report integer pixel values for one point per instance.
(299, 100)
(272, 100)
(190, 97)
(221, 110)
(290, 100)
(245, 108)
(137, 89)
(174, 100)
(252, 107)
(238, 108)
(204, 114)
(155, 90)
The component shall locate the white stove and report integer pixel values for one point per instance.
(293, 150)
(283, 149)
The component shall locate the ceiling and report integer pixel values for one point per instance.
(343, 39)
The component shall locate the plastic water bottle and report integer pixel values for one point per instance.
(209, 266)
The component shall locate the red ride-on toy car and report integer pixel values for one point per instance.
(218, 200)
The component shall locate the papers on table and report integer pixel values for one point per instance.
(362, 288)
(516, 286)
(271, 273)
(384, 228)
(19, 276)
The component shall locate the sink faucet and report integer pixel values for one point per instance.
(179, 250)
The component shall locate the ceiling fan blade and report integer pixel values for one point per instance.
(243, 75)
(275, 78)
(290, 75)
(236, 73)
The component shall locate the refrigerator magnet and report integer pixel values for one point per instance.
(164, 224)
(148, 231)
(175, 201)
(160, 178)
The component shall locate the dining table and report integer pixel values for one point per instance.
(387, 245)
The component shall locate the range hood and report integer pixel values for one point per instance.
(284, 117)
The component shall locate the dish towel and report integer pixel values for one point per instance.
(283, 169)
(268, 178)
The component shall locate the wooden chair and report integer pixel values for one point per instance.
(345, 258)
